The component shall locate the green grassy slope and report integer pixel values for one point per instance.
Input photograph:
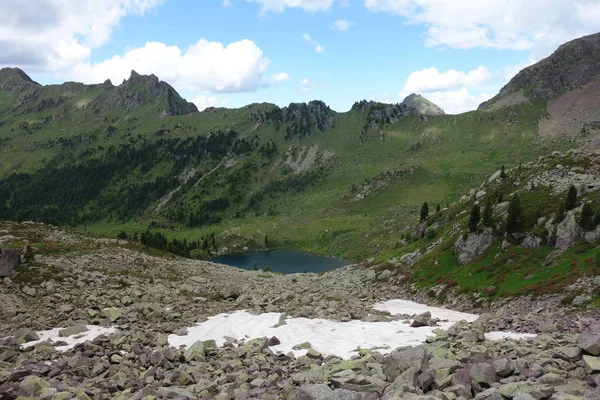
(313, 209)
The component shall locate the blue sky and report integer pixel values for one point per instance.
(235, 52)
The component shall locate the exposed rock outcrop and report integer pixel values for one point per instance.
(473, 246)
(422, 105)
(140, 90)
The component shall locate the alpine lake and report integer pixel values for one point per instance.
(282, 261)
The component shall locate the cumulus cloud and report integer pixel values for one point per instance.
(454, 91)
(57, 34)
(342, 25)
(57, 37)
(205, 67)
(504, 24)
(430, 79)
(458, 101)
(281, 5)
(318, 48)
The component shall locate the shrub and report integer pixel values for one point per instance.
(430, 233)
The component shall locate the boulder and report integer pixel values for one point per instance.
(589, 342)
(473, 246)
(484, 374)
(504, 367)
(385, 274)
(401, 359)
(312, 392)
(73, 330)
(411, 258)
(9, 260)
(231, 292)
(591, 364)
(195, 352)
(33, 385)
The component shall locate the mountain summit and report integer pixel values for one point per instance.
(573, 65)
(140, 90)
(14, 80)
(422, 105)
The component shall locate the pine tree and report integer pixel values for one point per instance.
(503, 173)
(514, 222)
(571, 198)
(488, 214)
(475, 217)
(586, 218)
(424, 211)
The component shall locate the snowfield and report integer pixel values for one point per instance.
(342, 339)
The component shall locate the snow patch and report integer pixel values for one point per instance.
(410, 308)
(71, 341)
(342, 339)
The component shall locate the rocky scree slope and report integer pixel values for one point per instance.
(73, 281)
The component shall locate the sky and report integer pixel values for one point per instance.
(230, 53)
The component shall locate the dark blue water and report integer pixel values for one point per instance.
(285, 261)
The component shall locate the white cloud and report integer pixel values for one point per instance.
(54, 35)
(458, 101)
(537, 25)
(306, 85)
(203, 102)
(205, 67)
(318, 48)
(56, 38)
(342, 25)
(281, 5)
(226, 3)
(454, 91)
(430, 79)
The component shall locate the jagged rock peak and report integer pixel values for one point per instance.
(422, 105)
(140, 90)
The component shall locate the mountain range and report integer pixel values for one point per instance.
(137, 158)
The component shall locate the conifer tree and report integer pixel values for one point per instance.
(424, 211)
(503, 173)
(571, 198)
(488, 214)
(475, 217)
(586, 218)
(514, 222)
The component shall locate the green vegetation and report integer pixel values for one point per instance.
(514, 221)
(571, 201)
(474, 218)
